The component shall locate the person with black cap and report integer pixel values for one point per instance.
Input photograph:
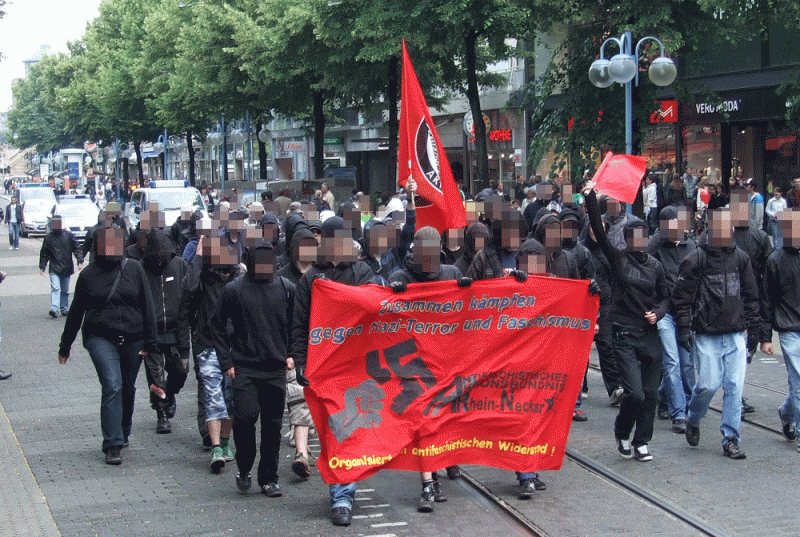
(671, 244)
(423, 264)
(167, 370)
(114, 309)
(255, 357)
(337, 261)
(639, 299)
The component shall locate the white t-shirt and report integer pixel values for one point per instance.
(12, 218)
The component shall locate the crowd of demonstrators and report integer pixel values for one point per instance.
(679, 316)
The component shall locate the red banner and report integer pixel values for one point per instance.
(421, 156)
(619, 176)
(441, 375)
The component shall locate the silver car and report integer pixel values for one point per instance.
(78, 218)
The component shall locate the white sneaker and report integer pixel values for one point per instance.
(10, 247)
(624, 448)
(642, 454)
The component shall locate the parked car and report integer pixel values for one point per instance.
(77, 217)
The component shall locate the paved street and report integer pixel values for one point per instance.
(55, 481)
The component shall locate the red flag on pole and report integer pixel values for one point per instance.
(619, 176)
(421, 157)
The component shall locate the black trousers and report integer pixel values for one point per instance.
(638, 352)
(167, 370)
(252, 396)
(608, 360)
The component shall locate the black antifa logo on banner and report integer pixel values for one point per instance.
(362, 408)
(428, 159)
(412, 375)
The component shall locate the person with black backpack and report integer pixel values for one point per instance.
(255, 356)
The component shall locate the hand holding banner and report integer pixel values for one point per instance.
(619, 176)
(442, 375)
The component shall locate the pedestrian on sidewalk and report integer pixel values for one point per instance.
(3, 374)
(782, 288)
(114, 311)
(716, 297)
(166, 370)
(13, 219)
(255, 357)
(58, 247)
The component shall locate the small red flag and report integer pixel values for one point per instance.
(421, 156)
(619, 176)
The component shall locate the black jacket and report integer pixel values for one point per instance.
(203, 285)
(412, 273)
(356, 274)
(129, 313)
(58, 247)
(7, 215)
(165, 274)
(290, 271)
(261, 316)
(716, 293)
(755, 243)
(670, 255)
(636, 279)
(474, 230)
(134, 252)
(560, 263)
(782, 290)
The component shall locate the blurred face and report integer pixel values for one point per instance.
(567, 191)
(306, 253)
(533, 264)
(474, 210)
(569, 231)
(790, 226)
(552, 236)
(56, 223)
(152, 220)
(720, 228)
(263, 264)
(544, 192)
(215, 252)
(673, 229)
(426, 254)
(510, 237)
(739, 210)
(339, 248)
(111, 243)
(636, 239)
(454, 239)
(612, 207)
(380, 239)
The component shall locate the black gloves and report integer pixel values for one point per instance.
(519, 275)
(594, 288)
(398, 287)
(464, 282)
(300, 373)
(685, 339)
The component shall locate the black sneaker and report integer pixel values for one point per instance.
(206, 442)
(426, 499)
(692, 434)
(663, 411)
(162, 425)
(170, 407)
(113, 456)
(747, 408)
(526, 489)
(438, 495)
(53, 313)
(642, 453)
(624, 448)
(272, 490)
(679, 426)
(732, 451)
(538, 484)
(789, 428)
(243, 483)
(453, 472)
(341, 516)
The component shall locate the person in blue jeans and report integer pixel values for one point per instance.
(58, 247)
(782, 290)
(114, 310)
(13, 218)
(717, 298)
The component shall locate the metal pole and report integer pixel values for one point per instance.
(224, 174)
(166, 153)
(249, 146)
(627, 40)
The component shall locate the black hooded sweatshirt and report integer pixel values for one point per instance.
(129, 313)
(165, 274)
(292, 223)
(260, 312)
(636, 279)
(290, 271)
(412, 273)
(476, 229)
(562, 264)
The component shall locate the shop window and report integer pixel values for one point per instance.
(701, 150)
(659, 148)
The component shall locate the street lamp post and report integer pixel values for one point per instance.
(624, 69)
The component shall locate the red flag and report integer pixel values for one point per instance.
(619, 176)
(421, 156)
(442, 375)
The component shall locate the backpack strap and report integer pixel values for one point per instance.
(117, 279)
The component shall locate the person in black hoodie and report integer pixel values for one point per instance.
(782, 288)
(114, 310)
(58, 247)
(671, 245)
(215, 265)
(337, 262)
(302, 255)
(290, 225)
(474, 239)
(255, 357)
(423, 264)
(499, 256)
(167, 370)
(717, 298)
(639, 299)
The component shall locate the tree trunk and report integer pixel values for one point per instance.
(126, 179)
(262, 160)
(481, 152)
(394, 126)
(139, 163)
(319, 135)
(190, 149)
